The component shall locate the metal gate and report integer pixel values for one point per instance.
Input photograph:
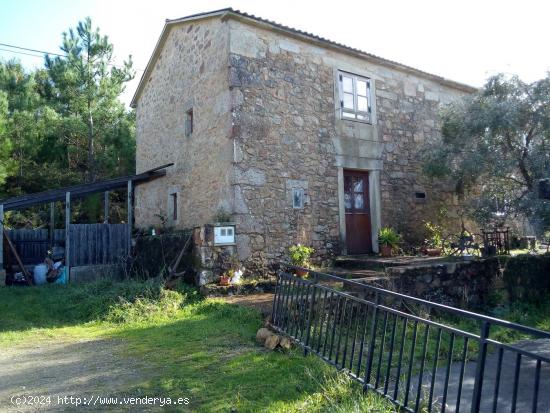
(420, 355)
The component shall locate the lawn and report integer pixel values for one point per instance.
(201, 349)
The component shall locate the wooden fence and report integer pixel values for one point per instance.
(32, 244)
(90, 244)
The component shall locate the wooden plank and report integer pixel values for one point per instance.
(52, 222)
(106, 207)
(28, 277)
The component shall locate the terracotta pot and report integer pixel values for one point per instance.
(386, 250)
(433, 252)
(301, 273)
(224, 280)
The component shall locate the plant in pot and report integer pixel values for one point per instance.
(388, 239)
(225, 278)
(299, 256)
(433, 244)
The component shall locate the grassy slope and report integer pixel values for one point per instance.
(203, 350)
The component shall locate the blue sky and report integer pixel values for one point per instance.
(463, 40)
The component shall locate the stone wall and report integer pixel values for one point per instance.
(288, 132)
(266, 121)
(466, 284)
(191, 73)
(284, 124)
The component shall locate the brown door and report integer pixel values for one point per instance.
(356, 202)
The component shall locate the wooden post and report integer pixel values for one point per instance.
(67, 234)
(130, 214)
(52, 223)
(2, 273)
(106, 207)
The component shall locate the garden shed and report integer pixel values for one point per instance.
(84, 245)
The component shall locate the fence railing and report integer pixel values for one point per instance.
(423, 356)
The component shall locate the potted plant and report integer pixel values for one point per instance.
(225, 278)
(388, 239)
(299, 256)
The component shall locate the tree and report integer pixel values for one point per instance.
(495, 147)
(64, 124)
(84, 89)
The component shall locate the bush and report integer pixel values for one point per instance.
(527, 277)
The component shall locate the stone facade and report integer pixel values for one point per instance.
(268, 121)
(190, 73)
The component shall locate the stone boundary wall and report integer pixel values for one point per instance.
(466, 284)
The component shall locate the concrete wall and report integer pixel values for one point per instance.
(190, 73)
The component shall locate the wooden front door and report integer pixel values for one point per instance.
(356, 202)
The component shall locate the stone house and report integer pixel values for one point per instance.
(295, 138)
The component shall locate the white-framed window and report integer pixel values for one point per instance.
(355, 98)
(297, 198)
(224, 235)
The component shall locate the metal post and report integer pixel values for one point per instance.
(106, 207)
(372, 343)
(52, 223)
(478, 383)
(130, 214)
(67, 234)
(310, 317)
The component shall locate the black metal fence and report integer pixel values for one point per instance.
(423, 356)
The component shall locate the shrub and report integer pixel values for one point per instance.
(388, 236)
(527, 277)
(300, 254)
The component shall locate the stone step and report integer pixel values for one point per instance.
(377, 263)
(354, 273)
(380, 282)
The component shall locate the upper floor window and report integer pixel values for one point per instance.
(189, 122)
(355, 100)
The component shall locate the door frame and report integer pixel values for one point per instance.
(374, 202)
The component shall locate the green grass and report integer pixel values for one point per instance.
(201, 349)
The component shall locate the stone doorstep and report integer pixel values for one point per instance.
(354, 273)
(380, 282)
(374, 262)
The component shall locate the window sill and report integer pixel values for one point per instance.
(365, 122)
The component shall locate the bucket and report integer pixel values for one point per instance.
(39, 274)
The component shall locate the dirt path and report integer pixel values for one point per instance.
(95, 368)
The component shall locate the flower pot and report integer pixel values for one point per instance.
(385, 250)
(224, 280)
(301, 273)
(433, 252)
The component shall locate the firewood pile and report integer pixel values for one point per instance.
(271, 340)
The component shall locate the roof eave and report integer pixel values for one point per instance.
(297, 34)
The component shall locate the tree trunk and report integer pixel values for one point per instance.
(91, 153)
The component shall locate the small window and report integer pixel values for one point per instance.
(224, 235)
(297, 198)
(355, 100)
(174, 197)
(420, 195)
(189, 122)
